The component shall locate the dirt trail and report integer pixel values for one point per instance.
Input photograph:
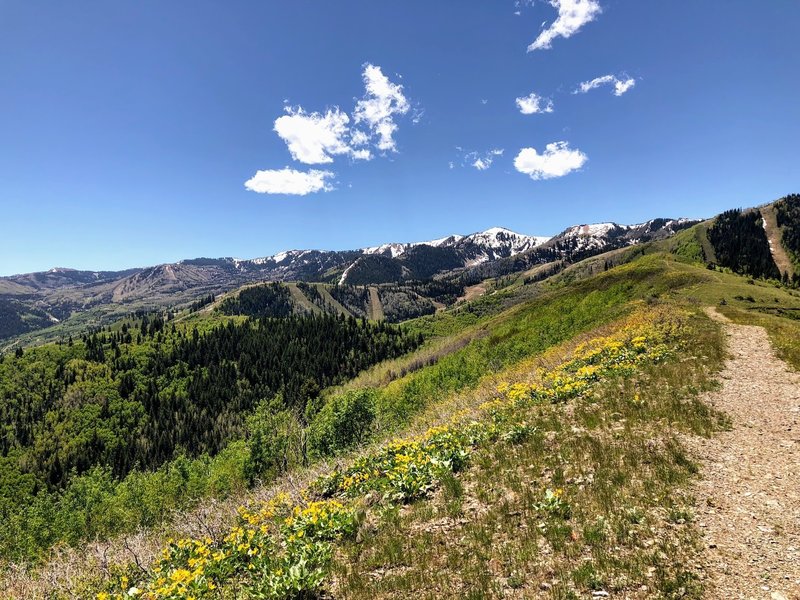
(748, 501)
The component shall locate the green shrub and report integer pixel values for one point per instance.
(276, 443)
(343, 422)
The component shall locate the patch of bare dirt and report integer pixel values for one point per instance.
(473, 291)
(375, 306)
(774, 236)
(748, 500)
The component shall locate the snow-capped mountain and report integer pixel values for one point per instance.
(61, 292)
(599, 236)
(396, 249)
(494, 242)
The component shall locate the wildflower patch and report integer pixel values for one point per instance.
(280, 550)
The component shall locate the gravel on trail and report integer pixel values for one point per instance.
(748, 496)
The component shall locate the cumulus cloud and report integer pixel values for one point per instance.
(533, 103)
(314, 138)
(377, 109)
(572, 15)
(557, 160)
(620, 85)
(290, 181)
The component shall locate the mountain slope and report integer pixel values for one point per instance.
(93, 298)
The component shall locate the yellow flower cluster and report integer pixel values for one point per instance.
(640, 340)
(261, 549)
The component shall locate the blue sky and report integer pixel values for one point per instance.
(128, 129)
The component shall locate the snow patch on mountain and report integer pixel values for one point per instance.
(398, 249)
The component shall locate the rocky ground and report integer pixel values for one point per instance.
(748, 497)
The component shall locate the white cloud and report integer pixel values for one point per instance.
(480, 161)
(289, 181)
(557, 160)
(594, 83)
(533, 103)
(317, 138)
(313, 138)
(572, 15)
(382, 101)
(359, 138)
(620, 85)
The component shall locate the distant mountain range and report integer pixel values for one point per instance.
(38, 300)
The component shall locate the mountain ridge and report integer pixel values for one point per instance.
(35, 301)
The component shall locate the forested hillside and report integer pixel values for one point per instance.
(788, 215)
(741, 244)
(396, 303)
(134, 397)
(267, 300)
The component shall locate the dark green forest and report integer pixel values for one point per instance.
(267, 300)
(787, 210)
(137, 397)
(741, 244)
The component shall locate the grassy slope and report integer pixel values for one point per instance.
(501, 344)
(613, 452)
(624, 477)
(301, 301)
(745, 301)
(326, 295)
(757, 303)
(631, 532)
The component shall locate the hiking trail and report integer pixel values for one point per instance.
(748, 497)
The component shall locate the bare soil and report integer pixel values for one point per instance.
(748, 499)
(375, 306)
(774, 235)
(473, 291)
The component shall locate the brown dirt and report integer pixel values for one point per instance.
(375, 306)
(473, 291)
(748, 500)
(774, 235)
